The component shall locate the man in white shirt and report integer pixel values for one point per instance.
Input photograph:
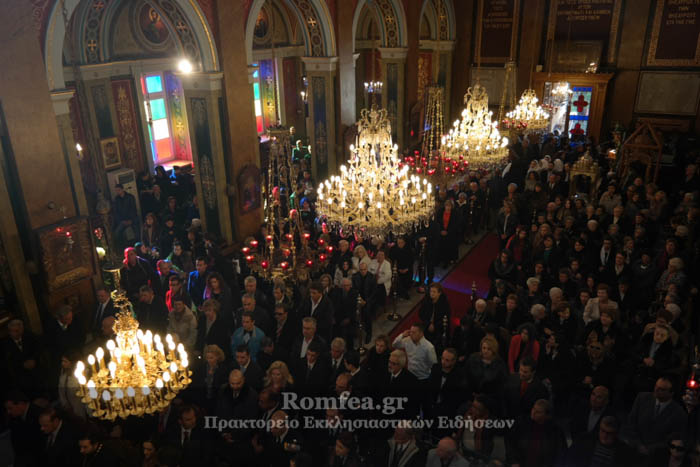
(419, 351)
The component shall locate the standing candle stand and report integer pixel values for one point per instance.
(394, 316)
(360, 328)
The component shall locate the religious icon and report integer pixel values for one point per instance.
(152, 25)
(249, 188)
(110, 153)
(262, 24)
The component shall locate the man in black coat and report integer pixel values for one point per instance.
(62, 333)
(601, 444)
(94, 454)
(59, 446)
(302, 344)
(253, 373)
(251, 287)
(344, 301)
(400, 382)
(522, 390)
(359, 379)
(435, 313)
(448, 385)
(586, 419)
(125, 225)
(105, 308)
(286, 330)
(151, 311)
(402, 256)
(401, 450)
(319, 307)
(262, 317)
(535, 440)
(23, 423)
(280, 445)
(21, 351)
(366, 285)
(312, 373)
(135, 273)
(192, 444)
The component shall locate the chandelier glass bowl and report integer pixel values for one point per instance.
(475, 136)
(375, 193)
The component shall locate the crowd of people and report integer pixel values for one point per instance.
(584, 344)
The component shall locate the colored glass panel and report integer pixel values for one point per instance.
(259, 123)
(256, 91)
(578, 127)
(154, 84)
(258, 108)
(160, 129)
(163, 149)
(158, 109)
(148, 110)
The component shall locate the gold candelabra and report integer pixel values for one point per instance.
(138, 375)
(374, 194)
(434, 118)
(475, 136)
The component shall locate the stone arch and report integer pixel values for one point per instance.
(316, 27)
(392, 22)
(189, 11)
(440, 13)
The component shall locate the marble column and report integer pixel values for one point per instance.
(240, 111)
(321, 125)
(65, 135)
(203, 101)
(393, 63)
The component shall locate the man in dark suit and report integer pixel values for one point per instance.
(302, 344)
(366, 285)
(251, 287)
(319, 306)
(24, 428)
(60, 443)
(260, 315)
(448, 385)
(605, 255)
(535, 438)
(237, 401)
(286, 330)
(401, 450)
(506, 222)
(105, 308)
(251, 370)
(312, 373)
(402, 383)
(164, 273)
(280, 446)
(359, 380)
(522, 390)
(603, 443)
(197, 282)
(190, 440)
(586, 418)
(21, 351)
(337, 359)
(62, 332)
(345, 306)
(653, 417)
(151, 311)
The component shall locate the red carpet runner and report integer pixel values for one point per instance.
(458, 284)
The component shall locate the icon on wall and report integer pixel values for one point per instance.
(110, 153)
(249, 188)
(152, 25)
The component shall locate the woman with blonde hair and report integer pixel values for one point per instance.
(359, 255)
(486, 371)
(278, 378)
(208, 376)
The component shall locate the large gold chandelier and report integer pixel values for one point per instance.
(139, 375)
(375, 193)
(527, 116)
(476, 135)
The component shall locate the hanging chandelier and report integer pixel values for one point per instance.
(375, 194)
(527, 116)
(138, 375)
(285, 251)
(475, 136)
(561, 92)
(434, 117)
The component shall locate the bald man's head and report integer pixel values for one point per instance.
(236, 380)
(446, 449)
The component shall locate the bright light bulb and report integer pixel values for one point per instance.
(184, 66)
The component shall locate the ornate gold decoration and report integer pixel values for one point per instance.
(585, 167)
(66, 253)
(374, 194)
(140, 376)
(528, 116)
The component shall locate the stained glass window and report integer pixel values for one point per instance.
(258, 103)
(579, 110)
(157, 114)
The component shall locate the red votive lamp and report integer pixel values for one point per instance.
(322, 257)
(284, 265)
(329, 249)
(321, 242)
(268, 238)
(245, 250)
(253, 243)
(309, 263)
(264, 264)
(250, 258)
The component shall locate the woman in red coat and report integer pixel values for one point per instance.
(523, 344)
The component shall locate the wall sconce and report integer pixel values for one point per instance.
(304, 97)
(79, 154)
(184, 66)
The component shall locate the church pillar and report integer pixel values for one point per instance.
(202, 102)
(321, 74)
(393, 63)
(346, 64)
(242, 147)
(65, 134)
